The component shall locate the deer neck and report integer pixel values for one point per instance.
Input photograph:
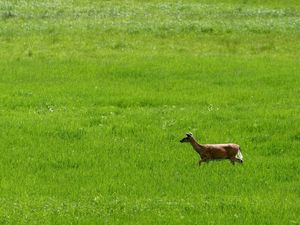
(197, 147)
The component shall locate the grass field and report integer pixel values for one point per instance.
(95, 96)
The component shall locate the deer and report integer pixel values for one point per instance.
(210, 152)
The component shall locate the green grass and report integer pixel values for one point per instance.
(95, 96)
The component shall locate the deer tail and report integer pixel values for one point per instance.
(239, 156)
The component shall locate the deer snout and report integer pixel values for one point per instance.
(183, 140)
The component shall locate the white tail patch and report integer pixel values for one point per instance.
(239, 155)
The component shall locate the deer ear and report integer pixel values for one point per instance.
(189, 134)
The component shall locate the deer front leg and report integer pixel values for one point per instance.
(201, 161)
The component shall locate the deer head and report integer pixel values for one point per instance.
(188, 138)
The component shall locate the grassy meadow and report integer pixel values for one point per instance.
(95, 96)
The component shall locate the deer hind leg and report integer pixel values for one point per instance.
(233, 160)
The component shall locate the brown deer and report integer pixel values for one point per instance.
(210, 152)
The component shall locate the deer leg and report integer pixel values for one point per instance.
(232, 160)
(202, 160)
